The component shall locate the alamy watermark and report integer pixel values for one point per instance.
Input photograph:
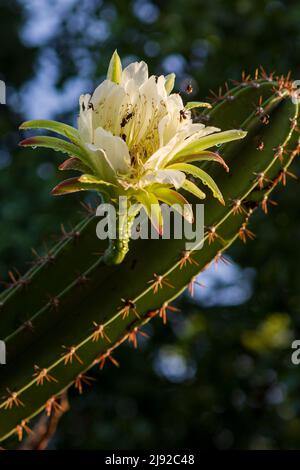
(2, 352)
(175, 225)
(2, 92)
(295, 358)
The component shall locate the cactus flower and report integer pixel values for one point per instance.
(136, 138)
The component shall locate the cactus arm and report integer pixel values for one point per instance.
(154, 273)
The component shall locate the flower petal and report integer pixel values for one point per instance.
(175, 200)
(152, 208)
(115, 149)
(114, 72)
(202, 175)
(173, 177)
(138, 71)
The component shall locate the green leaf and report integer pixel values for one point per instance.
(152, 208)
(176, 200)
(114, 72)
(56, 144)
(202, 175)
(211, 140)
(202, 156)
(197, 104)
(54, 126)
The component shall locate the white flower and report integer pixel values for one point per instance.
(136, 138)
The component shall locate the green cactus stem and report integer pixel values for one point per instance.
(72, 310)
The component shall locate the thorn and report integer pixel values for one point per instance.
(152, 313)
(42, 374)
(244, 233)
(261, 179)
(280, 152)
(82, 280)
(191, 286)
(265, 76)
(220, 258)
(72, 235)
(68, 358)
(164, 309)
(282, 178)
(264, 117)
(28, 325)
(12, 400)
(237, 207)
(101, 360)
(83, 379)
(159, 282)
(16, 280)
(132, 336)
(187, 258)
(53, 302)
(52, 405)
(265, 201)
(20, 428)
(87, 208)
(99, 333)
(260, 146)
(129, 305)
(294, 124)
(212, 234)
(48, 258)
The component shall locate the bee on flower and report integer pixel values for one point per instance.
(136, 138)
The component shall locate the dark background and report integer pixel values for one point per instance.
(219, 375)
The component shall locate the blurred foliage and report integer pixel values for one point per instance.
(214, 377)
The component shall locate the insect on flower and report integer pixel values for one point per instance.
(136, 138)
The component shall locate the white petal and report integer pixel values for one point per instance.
(174, 177)
(115, 149)
(100, 163)
(138, 71)
(85, 119)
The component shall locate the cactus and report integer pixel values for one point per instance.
(72, 310)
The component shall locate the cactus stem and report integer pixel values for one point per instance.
(68, 358)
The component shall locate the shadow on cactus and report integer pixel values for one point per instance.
(75, 307)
